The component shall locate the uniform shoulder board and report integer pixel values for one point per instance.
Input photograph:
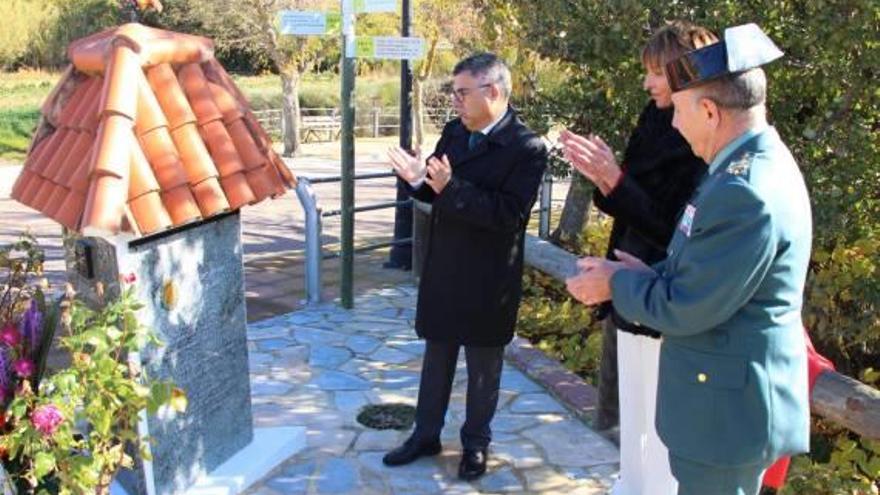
(741, 165)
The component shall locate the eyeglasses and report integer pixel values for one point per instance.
(461, 93)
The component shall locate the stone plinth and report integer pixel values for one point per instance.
(191, 283)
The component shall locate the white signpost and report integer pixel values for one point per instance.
(303, 23)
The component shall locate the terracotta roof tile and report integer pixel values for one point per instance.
(114, 155)
(45, 151)
(124, 73)
(195, 157)
(146, 131)
(80, 180)
(222, 148)
(180, 204)
(200, 98)
(238, 191)
(42, 194)
(149, 113)
(68, 164)
(105, 206)
(56, 198)
(170, 95)
(71, 210)
(226, 103)
(245, 145)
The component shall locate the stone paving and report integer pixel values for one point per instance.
(317, 368)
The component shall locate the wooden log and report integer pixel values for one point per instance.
(549, 258)
(839, 398)
(847, 402)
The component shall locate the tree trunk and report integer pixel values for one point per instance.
(290, 113)
(424, 73)
(574, 213)
(418, 113)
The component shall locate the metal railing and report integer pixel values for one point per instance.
(314, 223)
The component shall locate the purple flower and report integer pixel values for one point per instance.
(4, 370)
(32, 325)
(46, 419)
(10, 335)
(24, 367)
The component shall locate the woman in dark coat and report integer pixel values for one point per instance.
(645, 196)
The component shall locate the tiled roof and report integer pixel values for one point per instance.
(144, 132)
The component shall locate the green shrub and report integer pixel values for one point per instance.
(558, 324)
(24, 25)
(839, 464)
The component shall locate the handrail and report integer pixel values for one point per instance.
(313, 223)
(835, 397)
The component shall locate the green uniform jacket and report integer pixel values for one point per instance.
(733, 375)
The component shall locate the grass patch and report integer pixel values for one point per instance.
(320, 90)
(21, 94)
(16, 128)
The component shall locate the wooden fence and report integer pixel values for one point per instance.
(835, 397)
(326, 123)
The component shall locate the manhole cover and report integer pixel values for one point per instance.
(387, 416)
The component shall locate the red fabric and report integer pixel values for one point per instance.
(816, 365)
(774, 477)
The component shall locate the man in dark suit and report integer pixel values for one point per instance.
(481, 181)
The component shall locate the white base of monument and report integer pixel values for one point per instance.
(269, 448)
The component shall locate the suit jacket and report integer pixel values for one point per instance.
(732, 381)
(471, 281)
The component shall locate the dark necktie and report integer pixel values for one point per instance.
(475, 139)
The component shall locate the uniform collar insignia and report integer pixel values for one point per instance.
(741, 165)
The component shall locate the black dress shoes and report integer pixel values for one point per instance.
(473, 464)
(411, 450)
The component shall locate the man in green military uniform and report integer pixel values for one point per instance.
(732, 391)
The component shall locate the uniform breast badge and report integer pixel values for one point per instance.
(687, 220)
(740, 166)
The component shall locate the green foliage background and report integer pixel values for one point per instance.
(824, 98)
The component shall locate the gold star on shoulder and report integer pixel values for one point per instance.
(740, 166)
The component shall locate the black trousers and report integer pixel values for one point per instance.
(484, 380)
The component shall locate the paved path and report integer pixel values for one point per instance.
(319, 366)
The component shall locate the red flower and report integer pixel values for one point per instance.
(10, 335)
(130, 278)
(24, 367)
(46, 419)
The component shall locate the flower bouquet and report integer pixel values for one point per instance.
(69, 431)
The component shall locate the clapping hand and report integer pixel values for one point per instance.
(439, 173)
(593, 158)
(407, 166)
(592, 285)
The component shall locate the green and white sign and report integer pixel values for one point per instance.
(304, 23)
(373, 6)
(388, 47)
